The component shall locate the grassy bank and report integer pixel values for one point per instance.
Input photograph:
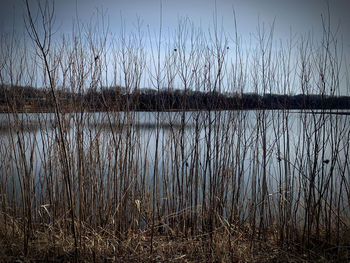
(225, 244)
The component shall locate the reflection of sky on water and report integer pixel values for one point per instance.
(212, 154)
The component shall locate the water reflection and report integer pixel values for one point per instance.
(219, 152)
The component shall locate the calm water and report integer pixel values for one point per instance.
(170, 149)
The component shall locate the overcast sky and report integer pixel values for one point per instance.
(300, 16)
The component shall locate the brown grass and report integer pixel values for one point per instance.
(50, 243)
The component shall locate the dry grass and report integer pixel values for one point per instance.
(56, 244)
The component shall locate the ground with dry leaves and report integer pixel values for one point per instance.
(56, 244)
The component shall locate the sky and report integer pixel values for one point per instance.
(301, 16)
(297, 16)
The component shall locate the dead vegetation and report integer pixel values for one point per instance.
(56, 244)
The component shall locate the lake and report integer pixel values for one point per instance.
(242, 163)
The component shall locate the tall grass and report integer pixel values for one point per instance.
(227, 182)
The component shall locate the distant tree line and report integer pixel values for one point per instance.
(117, 98)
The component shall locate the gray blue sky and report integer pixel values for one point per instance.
(300, 16)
